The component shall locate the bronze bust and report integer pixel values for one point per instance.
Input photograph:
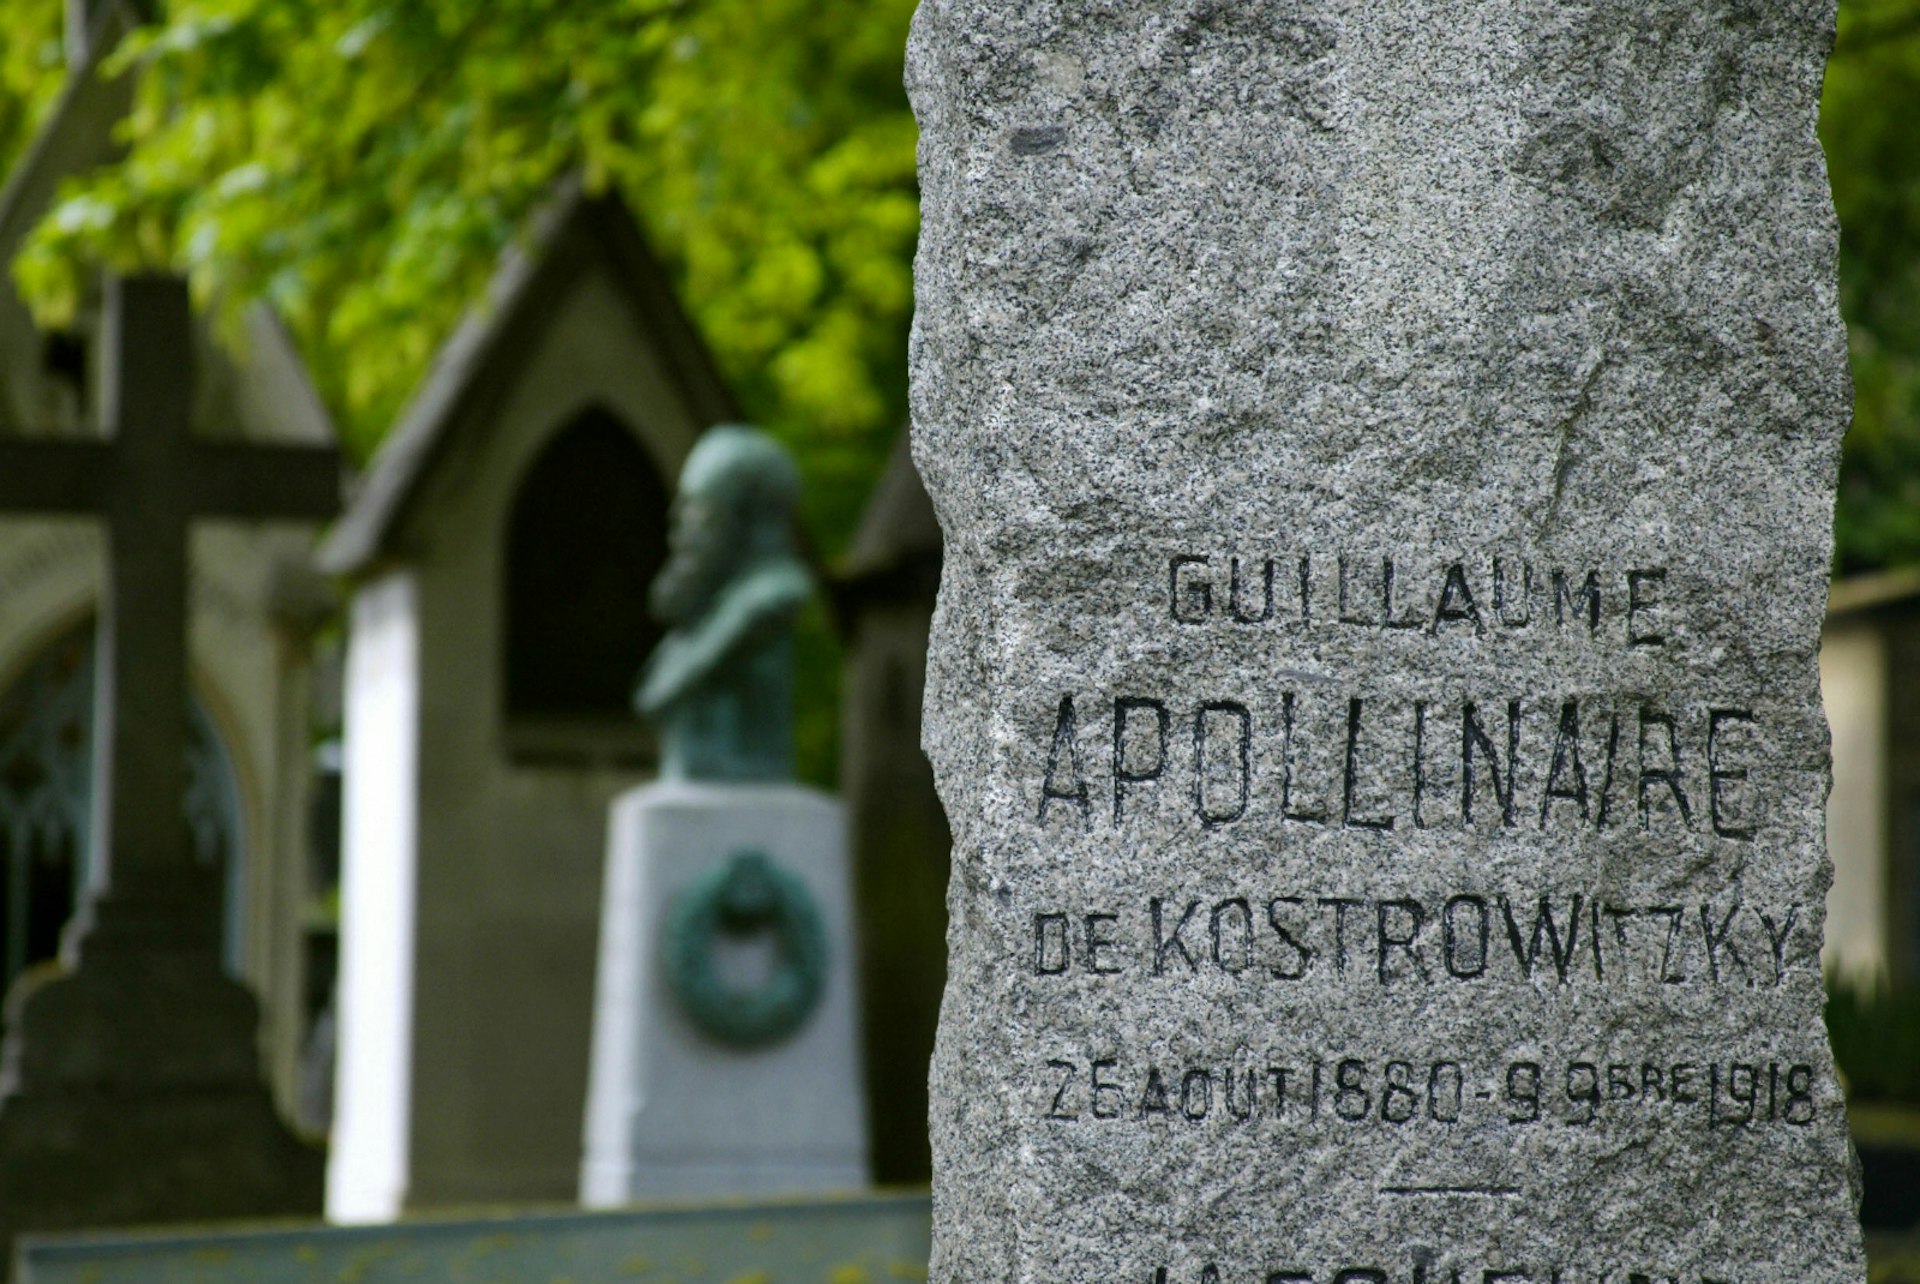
(720, 685)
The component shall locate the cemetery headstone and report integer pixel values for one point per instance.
(130, 1086)
(725, 1045)
(1386, 457)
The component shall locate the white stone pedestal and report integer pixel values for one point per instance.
(673, 1112)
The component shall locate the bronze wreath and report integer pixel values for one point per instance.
(747, 894)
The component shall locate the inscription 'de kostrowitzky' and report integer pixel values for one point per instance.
(1302, 753)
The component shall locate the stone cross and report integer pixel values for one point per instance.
(130, 1087)
(1386, 457)
(148, 481)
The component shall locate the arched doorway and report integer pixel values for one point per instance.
(585, 538)
(46, 783)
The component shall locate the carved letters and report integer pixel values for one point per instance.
(1626, 765)
(1269, 938)
(1432, 596)
(1314, 756)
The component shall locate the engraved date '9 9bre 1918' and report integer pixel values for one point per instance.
(1294, 1091)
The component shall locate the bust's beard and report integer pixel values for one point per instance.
(688, 583)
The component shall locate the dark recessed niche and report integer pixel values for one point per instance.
(585, 538)
(63, 356)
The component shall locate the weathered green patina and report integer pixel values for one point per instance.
(720, 685)
(747, 895)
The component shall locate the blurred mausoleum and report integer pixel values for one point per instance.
(1870, 679)
(499, 551)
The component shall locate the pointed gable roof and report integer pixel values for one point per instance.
(899, 524)
(489, 349)
(77, 135)
(897, 551)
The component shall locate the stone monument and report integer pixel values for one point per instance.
(1386, 455)
(130, 1085)
(725, 1045)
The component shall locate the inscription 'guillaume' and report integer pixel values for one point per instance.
(1382, 594)
(1372, 764)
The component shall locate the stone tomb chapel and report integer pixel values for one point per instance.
(500, 552)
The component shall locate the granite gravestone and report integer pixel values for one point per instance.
(1386, 456)
(725, 1042)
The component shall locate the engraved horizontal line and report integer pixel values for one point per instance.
(1501, 1192)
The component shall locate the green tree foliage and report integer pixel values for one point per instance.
(31, 58)
(1873, 151)
(362, 163)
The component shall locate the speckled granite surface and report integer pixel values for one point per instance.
(1386, 454)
